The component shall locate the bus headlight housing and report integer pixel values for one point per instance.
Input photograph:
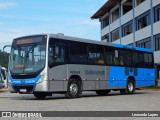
(9, 80)
(41, 79)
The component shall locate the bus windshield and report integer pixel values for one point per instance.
(27, 56)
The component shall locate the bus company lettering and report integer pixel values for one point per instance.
(92, 72)
(75, 72)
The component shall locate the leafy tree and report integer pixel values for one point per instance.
(4, 58)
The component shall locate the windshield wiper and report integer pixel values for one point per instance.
(27, 54)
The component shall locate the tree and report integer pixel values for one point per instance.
(4, 58)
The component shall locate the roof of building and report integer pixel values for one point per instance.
(105, 8)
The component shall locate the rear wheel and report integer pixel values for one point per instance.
(102, 92)
(74, 89)
(130, 88)
(40, 95)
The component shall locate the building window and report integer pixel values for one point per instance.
(115, 15)
(157, 42)
(127, 29)
(143, 20)
(157, 13)
(115, 35)
(139, 1)
(105, 37)
(105, 22)
(127, 6)
(145, 43)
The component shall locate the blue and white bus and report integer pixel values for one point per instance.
(54, 63)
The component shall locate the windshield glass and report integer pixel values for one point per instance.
(27, 58)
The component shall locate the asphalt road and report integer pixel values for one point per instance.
(143, 100)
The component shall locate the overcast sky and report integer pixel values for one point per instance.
(70, 17)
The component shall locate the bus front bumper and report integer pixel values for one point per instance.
(29, 88)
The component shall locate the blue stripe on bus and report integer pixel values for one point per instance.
(143, 49)
(118, 78)
(118, 45)
(131, 47)
(25, 81)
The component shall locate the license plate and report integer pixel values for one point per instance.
(23, 90)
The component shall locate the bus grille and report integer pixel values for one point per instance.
(28, 88)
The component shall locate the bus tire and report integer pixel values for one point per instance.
(102, 92)
(40, 95)
(73, 89)
(130, 88)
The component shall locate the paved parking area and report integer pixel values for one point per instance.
(143, 100)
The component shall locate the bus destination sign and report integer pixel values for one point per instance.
(28, 40)
(24, 41)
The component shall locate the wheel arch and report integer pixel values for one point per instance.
(77, 77)
(131, 78)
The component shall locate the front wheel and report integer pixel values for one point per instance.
(40, 95)
(74, 89)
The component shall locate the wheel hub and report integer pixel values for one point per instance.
(73, 89)
(130, 86)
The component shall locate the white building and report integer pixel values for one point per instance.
(131, 22)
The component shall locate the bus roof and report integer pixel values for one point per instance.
(61, 36)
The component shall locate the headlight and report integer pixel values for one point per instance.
(9, 80)
(41, 79)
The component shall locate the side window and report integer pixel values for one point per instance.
(140, 59)
(121, 57)
(96, 54)
(128, 58)
(109, 55)
(148, 60)
(56, 51)
(114, 56)
(135, 59)
(78, 52)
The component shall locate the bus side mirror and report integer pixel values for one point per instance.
(4, 48)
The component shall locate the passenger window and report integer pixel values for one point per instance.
(109, 55)
(128, 58)
(121, 57)
(140, 59)
(78, 53)
(96, 54)
(135, 59)
(148, 60)
(116, 60)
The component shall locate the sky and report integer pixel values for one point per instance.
(27, 17)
